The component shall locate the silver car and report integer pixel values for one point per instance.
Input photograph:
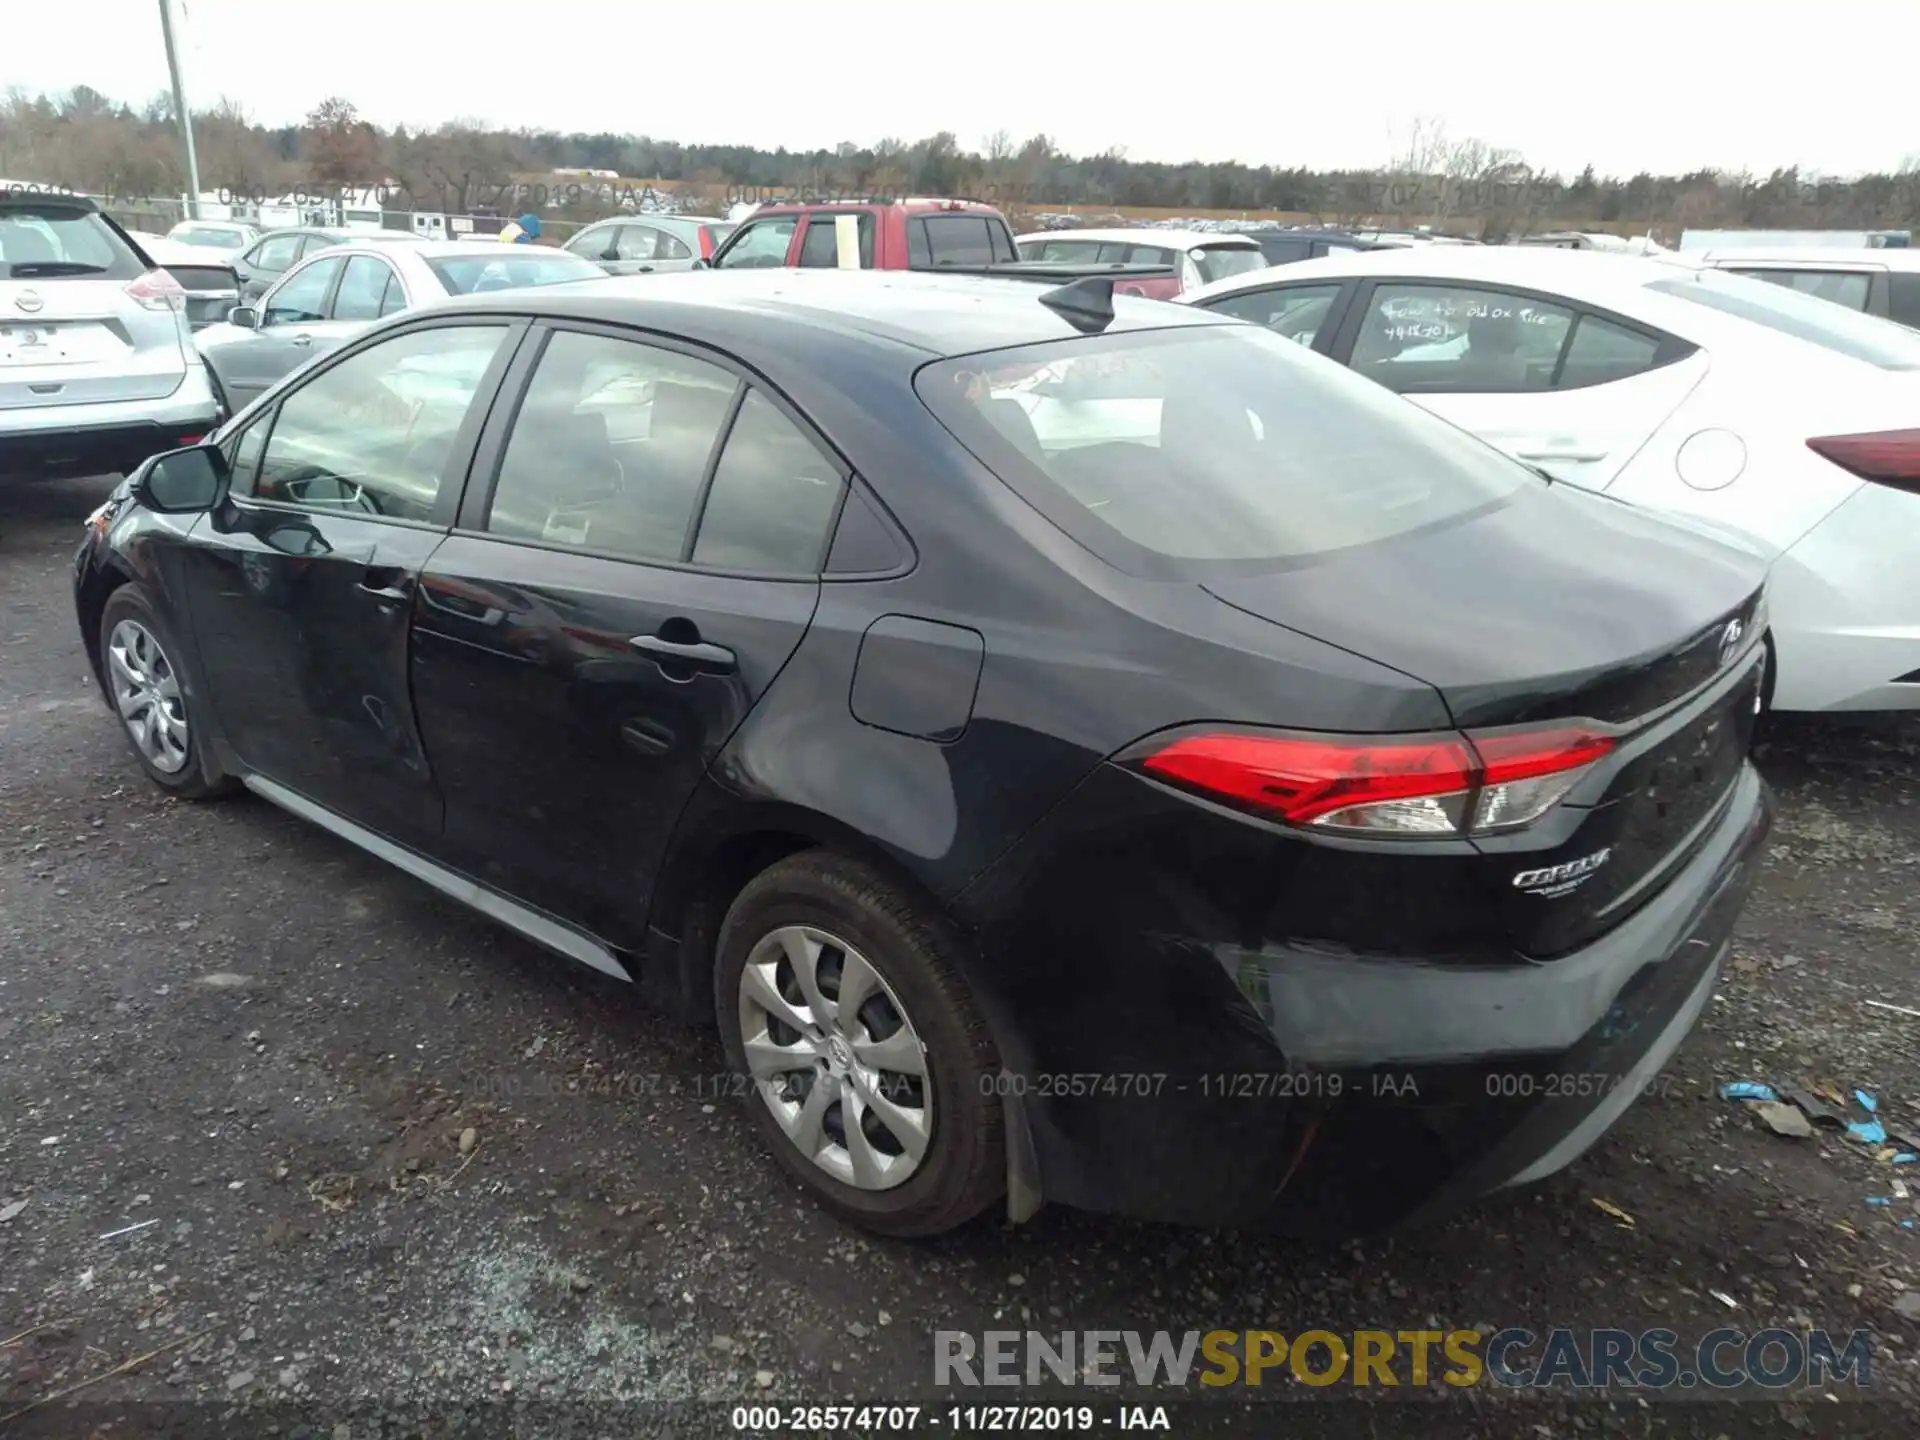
(333, 294)
(644, 244)
(97, 365)
(229, 237)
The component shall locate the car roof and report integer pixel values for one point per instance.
(925, 312)
(1596, 277)
(913, 203)
(1147, 235)
(1816, 255)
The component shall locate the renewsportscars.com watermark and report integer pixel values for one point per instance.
(1516, 1358)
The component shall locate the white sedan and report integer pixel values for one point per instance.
(1768, 415)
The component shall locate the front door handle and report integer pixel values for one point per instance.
(687, 654)
(301, 339)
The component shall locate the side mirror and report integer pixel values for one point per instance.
(703, 264)
(244, 316)
(610, 254)
(183, 482)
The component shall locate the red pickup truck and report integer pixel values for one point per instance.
(919, 234)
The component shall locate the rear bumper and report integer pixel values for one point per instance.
(52, 441)
(1227, 1083)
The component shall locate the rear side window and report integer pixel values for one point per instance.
(962, 240)
(1186, 452)
(1842, 287)
(773, 497)
(277, 253)
(1430, 339)
(363, 289)
(1601, 352)
(1903, 297)
(1831, 327)
(820, 246)
(47, 240)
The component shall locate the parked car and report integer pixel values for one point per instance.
(210, 281)
(646, 244)
(97, 365)
(276, 252)
(744, 637)
(334, 293)
(1284, 247)
(1198, 256)
(1748, 406)
(919, 234)
(229, 237)
(1883, 282)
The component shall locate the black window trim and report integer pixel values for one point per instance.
(483, 472)
(1669, 349)
(873, 237)
(454, 478)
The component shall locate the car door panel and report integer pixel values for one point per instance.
(250, 361)
(565, 747)
(302, 590)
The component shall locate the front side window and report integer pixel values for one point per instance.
(1787, 312)
(759, 245)
(1431, 339)
(598, 244)
(1183, 452)
(610, 447)
(1296, 312)
(301, 298)
(373, 435)
(276, 253)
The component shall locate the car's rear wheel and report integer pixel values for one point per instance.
(864, 1062)
(144, 683)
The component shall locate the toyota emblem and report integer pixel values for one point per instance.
(29, 301)
(1730, 641)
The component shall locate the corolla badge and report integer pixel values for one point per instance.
(1560, 879)
(29, 302)
(1730, 641)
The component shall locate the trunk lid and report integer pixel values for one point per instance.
(81, 341)
(1563, 605)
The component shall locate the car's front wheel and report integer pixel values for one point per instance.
(144, 683)
(867, 1067)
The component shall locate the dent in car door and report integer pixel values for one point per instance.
(608, 613)
(300, 590)
(1556, 385)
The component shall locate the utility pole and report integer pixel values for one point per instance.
(180, 110)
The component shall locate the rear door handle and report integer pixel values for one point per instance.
(386, 582)
(693, 654)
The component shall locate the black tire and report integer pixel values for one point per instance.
(964, 1169)
(197, 778)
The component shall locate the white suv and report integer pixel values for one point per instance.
(97, 364)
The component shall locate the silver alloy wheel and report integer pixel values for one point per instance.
(835, 1057)
(146, 691)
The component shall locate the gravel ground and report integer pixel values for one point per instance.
(395, 1162)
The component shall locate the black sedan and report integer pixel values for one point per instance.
(1074, 749)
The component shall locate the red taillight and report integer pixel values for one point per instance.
(1442, 784)
(1886, 457)
(157, 290)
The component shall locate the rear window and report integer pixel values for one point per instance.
(1220, 448)
(511, 270)
(48, 241)
(1818, 322)
(212, 238)
(1217, 262)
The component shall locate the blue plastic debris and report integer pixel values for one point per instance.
(1867, 1102)
(1905, 1157)
(1749, 1090)
(1906, 1224)
(1878, 1200)
(1872, 1132)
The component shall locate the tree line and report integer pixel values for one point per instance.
(90, 142)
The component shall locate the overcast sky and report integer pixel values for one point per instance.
(1661, 85)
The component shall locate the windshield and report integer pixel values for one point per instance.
(1217, 262)
(511, 270)
(1805, 317)
(1173, 452)
(47, 240)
